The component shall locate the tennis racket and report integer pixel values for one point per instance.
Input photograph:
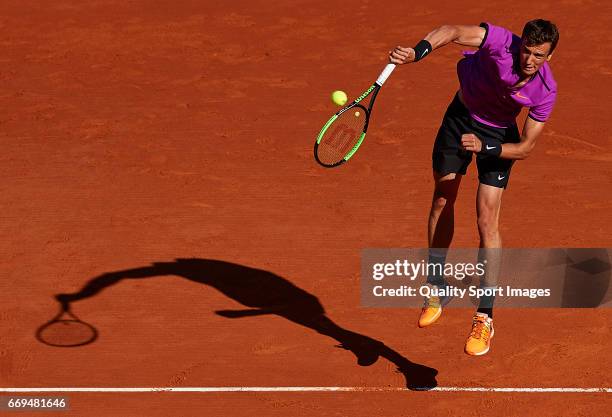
(66, 329)
(344, 133)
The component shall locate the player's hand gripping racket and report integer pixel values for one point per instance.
(343, 134)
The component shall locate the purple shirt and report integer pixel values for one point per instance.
(488, 75)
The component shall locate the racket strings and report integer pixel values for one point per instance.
(341, 136)
(67, 333)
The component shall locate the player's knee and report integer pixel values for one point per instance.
(443, 197)
(440, 202)
(487, 224)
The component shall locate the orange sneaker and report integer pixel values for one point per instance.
(432, 310)
(479, 341)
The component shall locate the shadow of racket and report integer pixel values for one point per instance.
(66, 329)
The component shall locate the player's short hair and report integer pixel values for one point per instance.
(539, 31)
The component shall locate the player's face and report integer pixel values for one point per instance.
(533, 57)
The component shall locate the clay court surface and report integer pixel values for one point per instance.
(139, 132)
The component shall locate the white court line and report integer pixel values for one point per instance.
(308, 389)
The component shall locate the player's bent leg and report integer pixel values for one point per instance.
(449, 162)
(440, 234)
(441, 223)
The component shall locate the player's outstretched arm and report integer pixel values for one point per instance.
(531, 130)
(461, 34)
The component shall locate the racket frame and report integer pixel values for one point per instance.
(65, 311)
(373, 91)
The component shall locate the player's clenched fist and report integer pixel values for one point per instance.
(400, 55)
(471, 142)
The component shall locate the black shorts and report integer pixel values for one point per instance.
(449, 156)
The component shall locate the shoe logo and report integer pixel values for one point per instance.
(490, 147)
(521, 96)
(424, 52)
(499, 177)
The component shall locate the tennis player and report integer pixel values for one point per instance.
(505, 74)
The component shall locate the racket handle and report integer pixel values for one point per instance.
(385, 74)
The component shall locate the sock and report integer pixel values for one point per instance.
(435, 277)
(486, 304)
(487, 311)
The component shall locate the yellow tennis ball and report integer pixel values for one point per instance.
(339, 98)
(356, 114)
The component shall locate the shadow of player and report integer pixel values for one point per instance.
(263, 292)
